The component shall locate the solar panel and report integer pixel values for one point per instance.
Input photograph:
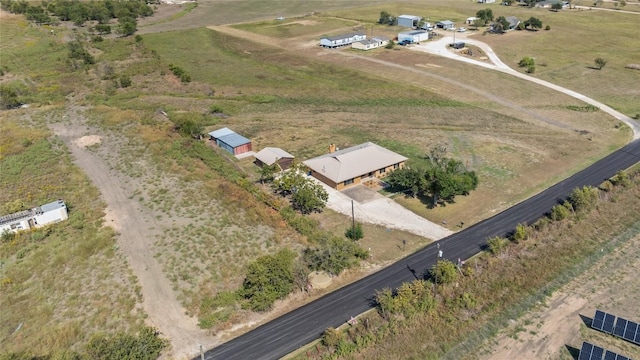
(630, 333)
(585, 352)
(637, 340)
(609, 320)
(610, 355)
(598, 320)
(621, 326)
(597, 353)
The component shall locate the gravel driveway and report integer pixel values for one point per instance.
(379, 210)
(441, 47)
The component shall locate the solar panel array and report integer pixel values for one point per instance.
(623, 328)
(593, 352)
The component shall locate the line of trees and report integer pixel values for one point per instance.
(79, 12)
(442, 179)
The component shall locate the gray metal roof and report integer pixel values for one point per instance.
(234, 140)
(355, 161)
(412, 17)
(513, 21)
(414, 32)
(221, 132)
(270, 155)
(54, 205)
(343, 36)
(445, 22)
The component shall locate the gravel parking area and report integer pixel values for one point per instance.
(373, 208)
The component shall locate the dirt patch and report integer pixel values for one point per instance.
(320, 280)
(545, 333)
(87, 141)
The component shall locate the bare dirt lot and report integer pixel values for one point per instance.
(561, 324)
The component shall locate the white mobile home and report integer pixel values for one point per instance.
(34, 218)
(342, 40)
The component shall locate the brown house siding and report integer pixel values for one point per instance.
(358, 179)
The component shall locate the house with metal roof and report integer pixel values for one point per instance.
(231, 141)
(414, 36)
(34, 218)
(342, 40)
(273, 155)
(340, 169)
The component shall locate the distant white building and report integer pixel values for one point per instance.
(34, 218)
(342, 40)
(373, 43)
(410, 21)
(486, 1)
(413, 37)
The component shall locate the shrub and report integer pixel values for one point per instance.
(331, 337)
(584, 199)
(125, 81)
(521, 233)
(559, 212)
(146, 345)
(444, 272)
(354, 233)
(547, 27)
(268, 278)
(497, 244)
(526, 61)
(622, 178)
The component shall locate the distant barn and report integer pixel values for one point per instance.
(273, 155)
(231, 141)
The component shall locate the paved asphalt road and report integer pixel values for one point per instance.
(303, 325)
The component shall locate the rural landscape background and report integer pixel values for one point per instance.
(163, 227)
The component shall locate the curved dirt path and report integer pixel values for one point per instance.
(136, 228)
(440, 47)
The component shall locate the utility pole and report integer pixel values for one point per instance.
(353, 221)
(201, 353)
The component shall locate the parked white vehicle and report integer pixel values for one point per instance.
(462, 29)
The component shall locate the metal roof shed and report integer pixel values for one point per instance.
(234, 143)
(409, 21)
(220, 133)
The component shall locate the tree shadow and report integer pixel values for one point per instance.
(574, 352)
(413, 272)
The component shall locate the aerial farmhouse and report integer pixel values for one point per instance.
(34, 218)
(341, 169)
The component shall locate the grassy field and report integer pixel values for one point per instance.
(62, 283)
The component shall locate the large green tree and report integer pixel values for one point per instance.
(269, 278)
(442, 178)
(306, 195)
(533, 23)
(485, 15)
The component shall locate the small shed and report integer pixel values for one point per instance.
(214, 135)
(445, 24)
(513, 22)
(470, 20)
(486, 1)
(272, 155)
(410, 21)
(413, 36)
(234, 143)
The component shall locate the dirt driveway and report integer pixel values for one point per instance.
(137, 229)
